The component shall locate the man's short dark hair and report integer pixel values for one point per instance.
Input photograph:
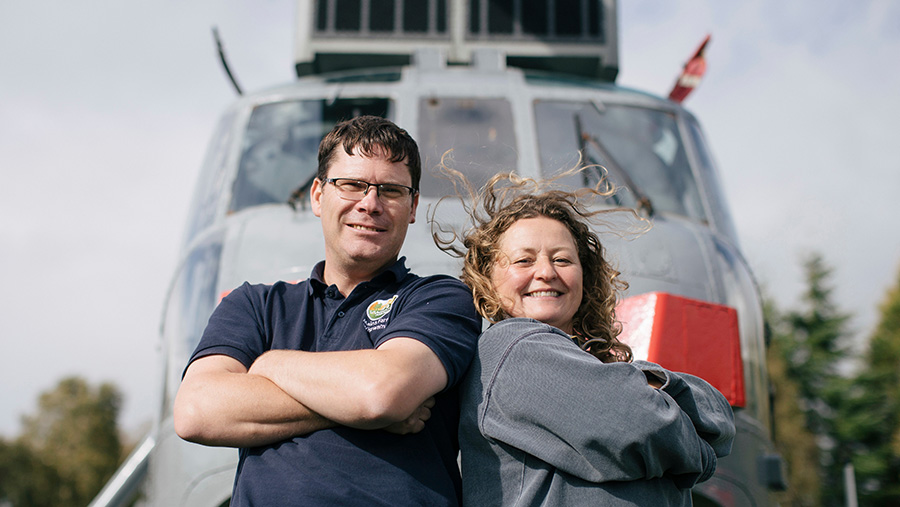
(371, 134)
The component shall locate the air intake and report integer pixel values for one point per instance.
(574, 21)
(415, 19)
(569, 36)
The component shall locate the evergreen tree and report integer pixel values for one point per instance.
(868, 428)
(814, 349)
(794, 441)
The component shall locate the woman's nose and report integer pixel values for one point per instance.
(545, 270)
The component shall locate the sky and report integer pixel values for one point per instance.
(106, 109)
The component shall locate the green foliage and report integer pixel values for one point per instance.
(794, 441)
(68, 450)
(868, 426)
(811, 342)
(854, 419)
(816, 347)
(25, 479)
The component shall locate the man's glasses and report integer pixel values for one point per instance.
(355, 190)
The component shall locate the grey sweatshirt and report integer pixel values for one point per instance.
(545, 423)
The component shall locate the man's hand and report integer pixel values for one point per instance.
(415, 422)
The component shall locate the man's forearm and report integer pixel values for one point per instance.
(364, 389)
(240, 410)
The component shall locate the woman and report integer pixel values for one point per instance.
(553, 411)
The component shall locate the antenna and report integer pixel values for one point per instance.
(237, 87)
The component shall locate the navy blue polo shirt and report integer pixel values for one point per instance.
(347, 466)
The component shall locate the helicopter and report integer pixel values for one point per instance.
(502, 85)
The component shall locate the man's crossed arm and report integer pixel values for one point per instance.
(287, 393)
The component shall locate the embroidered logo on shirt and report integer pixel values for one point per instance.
(379, 308)
(377, 314)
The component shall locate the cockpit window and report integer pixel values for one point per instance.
(479, 132)
(640, 148)
(281, 143)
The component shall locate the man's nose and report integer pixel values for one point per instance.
(371, 202)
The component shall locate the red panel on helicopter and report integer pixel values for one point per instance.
(686, 335)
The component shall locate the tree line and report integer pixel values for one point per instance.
(836, 402)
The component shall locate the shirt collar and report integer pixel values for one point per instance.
(395, 272)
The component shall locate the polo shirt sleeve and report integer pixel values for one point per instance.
(439, 313)
(599, 422)
(235, 328)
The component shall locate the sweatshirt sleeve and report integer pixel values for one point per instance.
(707, 408)
(599, 422)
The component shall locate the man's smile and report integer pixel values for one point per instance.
(366, 228)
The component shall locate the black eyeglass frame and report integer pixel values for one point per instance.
(378, 188)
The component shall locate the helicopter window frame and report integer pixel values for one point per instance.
(707, 168)
(279, 144)
(190, 301)
(212, 183)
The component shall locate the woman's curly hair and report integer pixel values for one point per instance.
(508, 198)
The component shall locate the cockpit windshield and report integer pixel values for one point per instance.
(641, 150)
(280, 147)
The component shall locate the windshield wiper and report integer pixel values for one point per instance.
(301, 194)
(585, 138)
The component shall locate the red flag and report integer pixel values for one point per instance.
(691, 75)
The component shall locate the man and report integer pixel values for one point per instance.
(340, 390)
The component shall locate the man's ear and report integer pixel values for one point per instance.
(412, 211)
(315, 197)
